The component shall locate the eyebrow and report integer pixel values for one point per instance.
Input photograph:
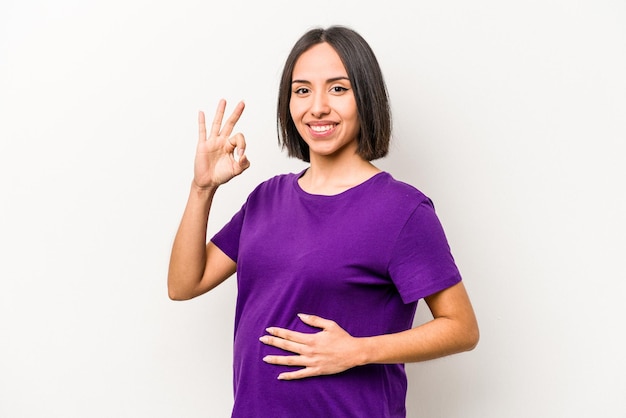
(330, 80)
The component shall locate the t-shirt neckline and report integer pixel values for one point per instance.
(346, 192)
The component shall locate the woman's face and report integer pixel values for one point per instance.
(322, 103)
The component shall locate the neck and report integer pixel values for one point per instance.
(327, 177)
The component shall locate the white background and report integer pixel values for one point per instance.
(509, 115)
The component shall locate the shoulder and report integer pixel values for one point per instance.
(400, 192)
(274, 185)
(279, 180)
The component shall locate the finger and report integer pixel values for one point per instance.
(283, 344)
(217, 119)
(288, 335)
(293, 361)
(242, 162)
(201, 127)
(237, 141)
(316, 321)
(237, 145)
(230, 123)
(298, 374)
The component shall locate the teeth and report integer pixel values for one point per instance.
(322, 128)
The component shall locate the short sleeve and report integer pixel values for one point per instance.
(227, 239)
(421, 263)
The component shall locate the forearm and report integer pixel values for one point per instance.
(333, 350)
(437, 338)
(188, 257)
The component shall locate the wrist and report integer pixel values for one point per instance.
(207, 191)
(366, 351)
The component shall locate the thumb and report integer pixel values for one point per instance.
(242, 160)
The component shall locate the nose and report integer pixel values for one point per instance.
(319, 104)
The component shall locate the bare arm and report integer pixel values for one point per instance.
(195, 266)
(332, 350)
(453, 329)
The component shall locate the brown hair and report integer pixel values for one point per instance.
(367, 82)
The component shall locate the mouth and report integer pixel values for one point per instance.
(322, 130)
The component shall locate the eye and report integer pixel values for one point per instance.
(338, 89)
(301, 90)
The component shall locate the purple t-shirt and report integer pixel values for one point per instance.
(362, 258)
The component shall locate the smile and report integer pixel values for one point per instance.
(322, 129)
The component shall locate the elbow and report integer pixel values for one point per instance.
(470, 332)
(180, 286)
(175, 292)
(178, 295)
(173, 295)
(472, 336)
(172, 292)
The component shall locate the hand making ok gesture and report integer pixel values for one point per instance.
(216, 161)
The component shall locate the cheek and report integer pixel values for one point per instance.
(348, 108)
(295, 110)
(351, 117)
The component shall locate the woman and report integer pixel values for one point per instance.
(330, 262)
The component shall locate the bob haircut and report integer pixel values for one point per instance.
(366, 78)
